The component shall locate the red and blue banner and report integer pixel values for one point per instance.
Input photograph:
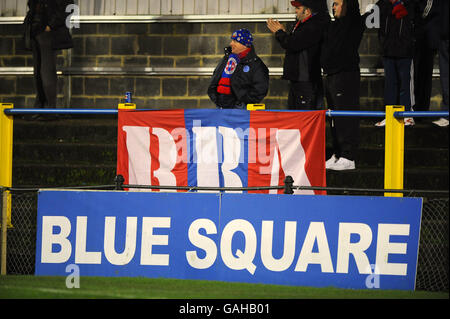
(221, 148)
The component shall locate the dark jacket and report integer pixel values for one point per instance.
(302, 59)
(443, 18)
(341, 41)
(427, 28)
(249, 82)
(396, 35)
(51, 13)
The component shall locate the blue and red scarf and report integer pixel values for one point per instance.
(224, 86)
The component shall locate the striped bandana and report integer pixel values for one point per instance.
(224, 83)
(233, 60)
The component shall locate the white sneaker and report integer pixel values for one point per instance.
(331, 161)
(381, 123)
(342, 164)
(442, 122)
(409, 121)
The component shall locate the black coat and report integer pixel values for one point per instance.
(249, 82)
(342, 39)
(302, 59)
(443, 19)
(53, 13)
(396, 36)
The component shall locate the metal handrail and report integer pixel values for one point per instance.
(329, 113)
(161, 71)
(421, 114)
(186, 18)
(254, 188)
(61, 111)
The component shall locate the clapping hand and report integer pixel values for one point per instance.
(274, 25)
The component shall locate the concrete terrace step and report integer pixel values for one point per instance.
(415, 178)
(62, 152)
(65, 153)
(425, 135)
(373, 157)
(104, 129)
(60, 175)
(95, 130)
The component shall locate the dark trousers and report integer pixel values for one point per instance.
(229, 102)
(397, 82)
(44, 70)
(423, 73)
(342, 93)
(302, 96)
(443, 70)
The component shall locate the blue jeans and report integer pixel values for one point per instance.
(397, 81)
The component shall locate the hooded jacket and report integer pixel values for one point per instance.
(342, 39)
(396, 35)
(249, 82)
(302, 45)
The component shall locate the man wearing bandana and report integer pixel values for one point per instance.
(241, 77)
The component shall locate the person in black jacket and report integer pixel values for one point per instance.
(241, 77)
(443, 59)
(426, 30)
(340, 63)
(45, 33)
(396, 35)
(302, 60)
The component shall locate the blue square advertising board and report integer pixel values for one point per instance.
(306, 240)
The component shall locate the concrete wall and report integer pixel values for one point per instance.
(170, 45)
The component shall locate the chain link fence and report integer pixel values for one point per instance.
(21, 237)
(432, 269)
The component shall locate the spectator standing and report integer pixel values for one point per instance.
(241, 77)
(302, 59)
(45, 33)
(443, 59)
(426, 30)
(340, 63)
(396, 35)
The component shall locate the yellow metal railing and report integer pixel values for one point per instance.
(255, 107)
(6, 151)
(394, 150)
(127, 106)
